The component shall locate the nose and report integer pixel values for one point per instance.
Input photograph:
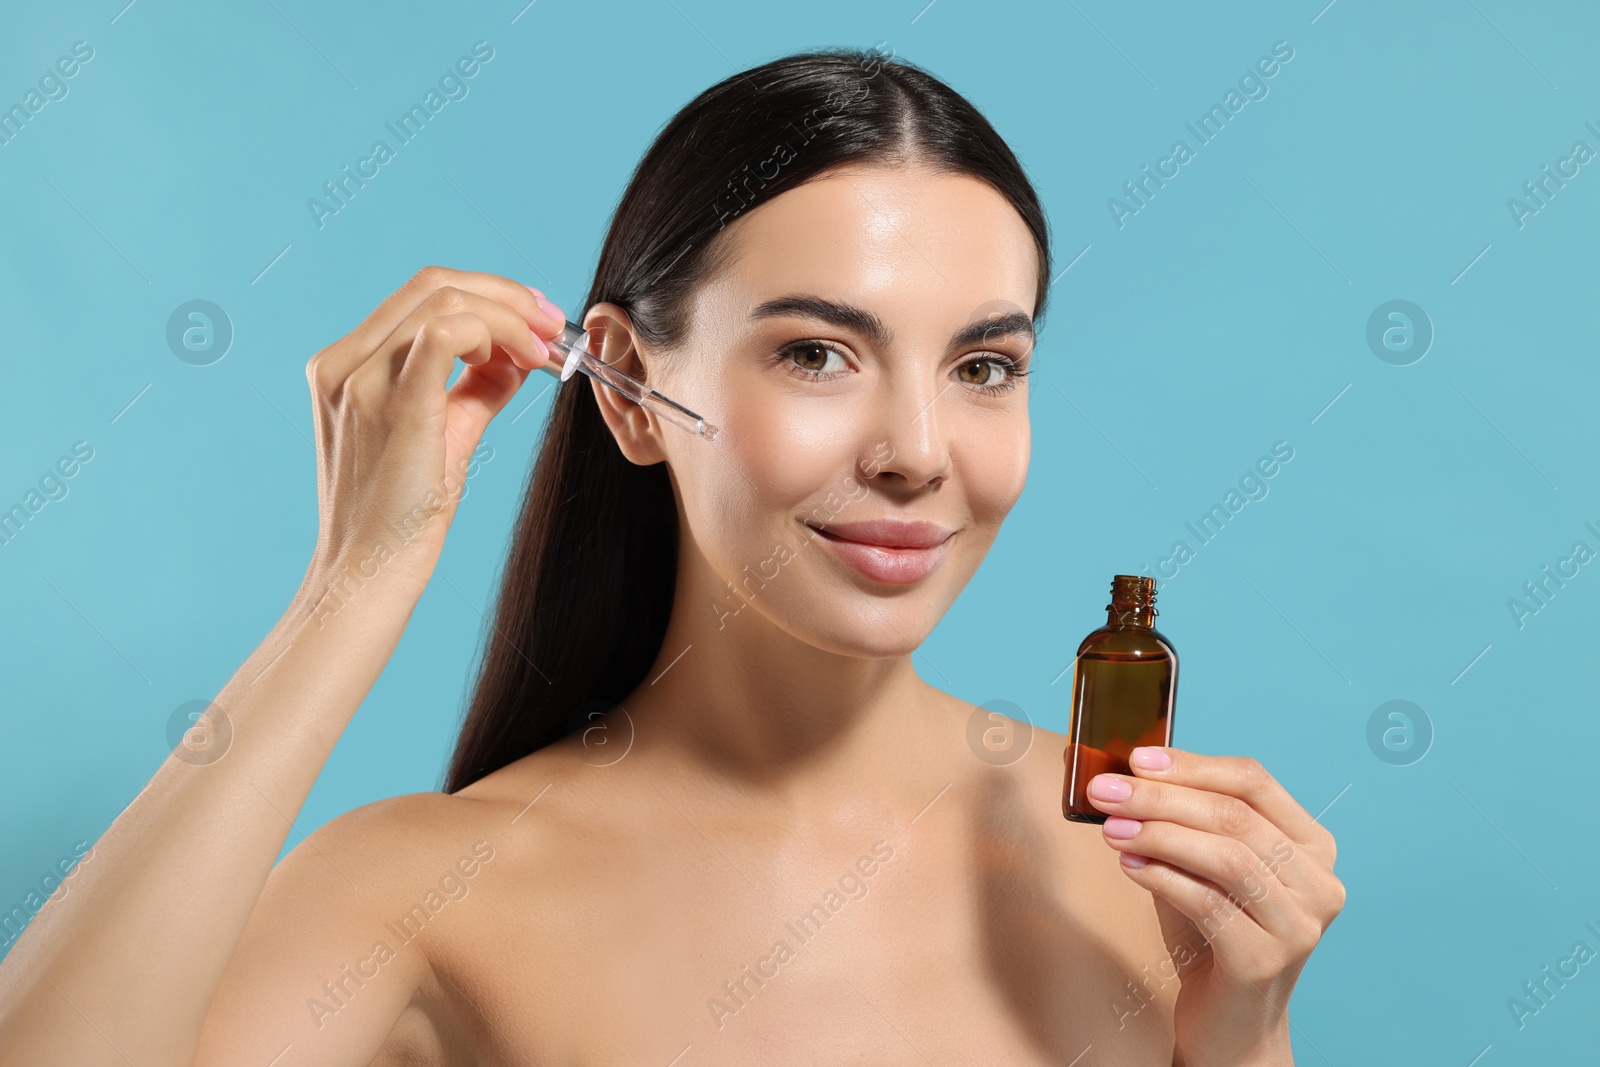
(910, 446)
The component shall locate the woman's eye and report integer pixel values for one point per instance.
(978, 371)
(982, 372)
(812, 357)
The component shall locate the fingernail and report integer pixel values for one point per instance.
(1121, 828)
(1150, 759)
(1133, 859)
(531, 289)
(1105, 787)
(551, 309)
(541, 346)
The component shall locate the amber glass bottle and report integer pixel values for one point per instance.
(1123, 685)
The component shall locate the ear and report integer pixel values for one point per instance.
(611, 340)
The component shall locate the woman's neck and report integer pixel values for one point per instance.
(755, 708)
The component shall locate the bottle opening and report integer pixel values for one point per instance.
(1133, 591)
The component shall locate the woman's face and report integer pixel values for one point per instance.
(857, 357)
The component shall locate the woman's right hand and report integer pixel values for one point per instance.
(114, 971)
(393, 444)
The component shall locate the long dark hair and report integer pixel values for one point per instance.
(587, 591)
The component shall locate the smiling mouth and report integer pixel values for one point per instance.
(888, 533)
(920, 551)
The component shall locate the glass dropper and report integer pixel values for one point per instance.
(572, 344)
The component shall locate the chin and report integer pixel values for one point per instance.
(876, 641)
(866, 625)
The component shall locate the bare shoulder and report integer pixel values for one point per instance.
(1053, 899)
(399, 849)
(331, 960)
(406, 845)
(1030, 760)
(397, 828)
(359, 928)
(558, 820)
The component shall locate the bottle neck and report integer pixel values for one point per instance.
(1130, 616)
(1133, 603)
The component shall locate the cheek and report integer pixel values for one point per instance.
(997, 472)
(784, 451)
(744, 490)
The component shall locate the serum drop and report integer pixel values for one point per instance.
(1123, 685)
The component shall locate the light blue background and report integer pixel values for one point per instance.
(1228, 314)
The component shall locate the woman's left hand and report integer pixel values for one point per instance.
(1244, 888)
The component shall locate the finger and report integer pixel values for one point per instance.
(1181, 936)
(1238, 776)
(528, 303)
(1221, 862)
(341, 358)
(482, 392)
(1209, 812)
(451, 324)
(1239, 945)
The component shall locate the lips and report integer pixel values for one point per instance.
(890, 551)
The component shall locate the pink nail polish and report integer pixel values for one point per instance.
(552, 309)
(1121, 828)
(1133, 859)
(1105, 787)
(1150, 759)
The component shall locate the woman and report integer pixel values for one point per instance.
(702, 810)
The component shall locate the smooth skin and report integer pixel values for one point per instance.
(639, 891)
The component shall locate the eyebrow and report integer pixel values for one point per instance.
(850, 317)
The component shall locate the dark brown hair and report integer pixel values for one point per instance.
(587, 591)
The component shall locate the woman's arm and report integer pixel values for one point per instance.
(123, 969)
